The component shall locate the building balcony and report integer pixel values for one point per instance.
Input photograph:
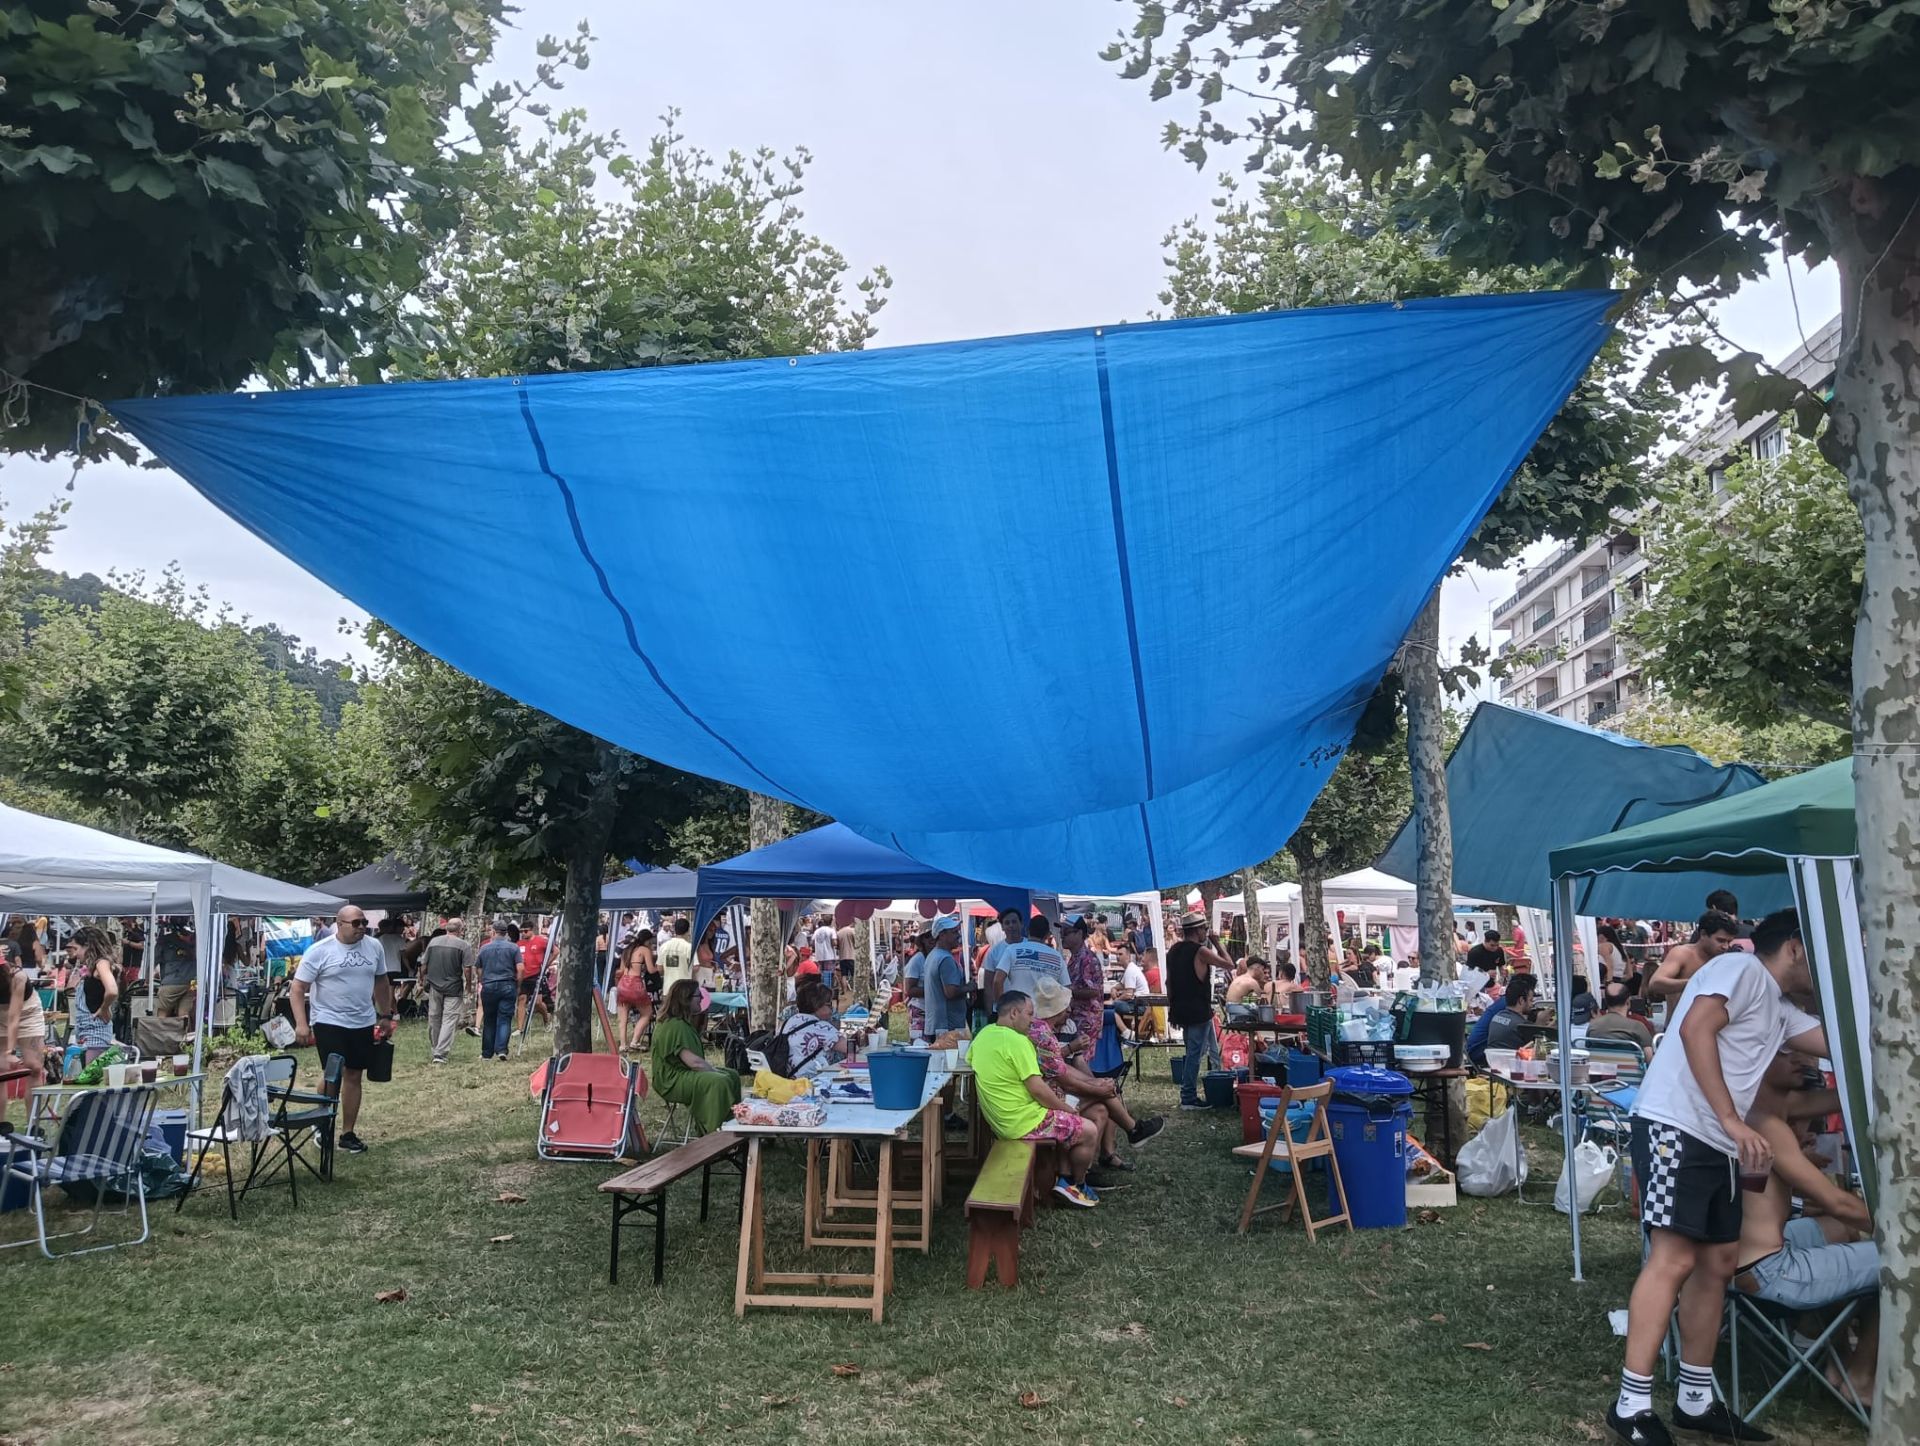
(1601, 709)
(1597, 583)
(1546, 694)
(1542, 618)
(1596, 627)
(1599, 668)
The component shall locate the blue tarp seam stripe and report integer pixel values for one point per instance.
(606, 590)
(1120, 551)
(1146, 837)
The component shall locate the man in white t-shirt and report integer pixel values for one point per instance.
(1034, 958)
(1691, 1144)
(676, 955)
(998, 964)
(824, 953)
(343, 1004)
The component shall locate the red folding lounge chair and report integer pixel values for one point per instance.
(587, 1110)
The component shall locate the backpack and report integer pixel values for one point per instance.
(769, 1042)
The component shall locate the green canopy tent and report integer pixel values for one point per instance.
(1802, 827)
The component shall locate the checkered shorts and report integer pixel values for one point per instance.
(1686, 1185)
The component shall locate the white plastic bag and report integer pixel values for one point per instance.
(1486, 1163)
(1591, 1168)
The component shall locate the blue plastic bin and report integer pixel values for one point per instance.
(897, 1077)
(1368, 1117)
(172, 1124)
(1303, 1069)
(1299, 1121)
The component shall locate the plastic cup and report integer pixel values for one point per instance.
(149, 1071)
(1755, 1182)
(181, 1064)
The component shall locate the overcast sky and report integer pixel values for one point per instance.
(1005, 175)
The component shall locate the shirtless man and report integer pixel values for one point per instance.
(1815, 1260)
(1254, 985)
(1713, 935)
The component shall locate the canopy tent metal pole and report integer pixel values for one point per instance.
(1563, 1024)
(147, 954)
(204, 966)
(615, 917)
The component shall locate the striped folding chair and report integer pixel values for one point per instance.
(100, 1142)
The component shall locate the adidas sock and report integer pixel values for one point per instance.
(1636, 1394)
(1696, 1389)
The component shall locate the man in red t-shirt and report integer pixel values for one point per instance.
(533, 962)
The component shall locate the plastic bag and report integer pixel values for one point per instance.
(1591, 1167)
(1486, 1164)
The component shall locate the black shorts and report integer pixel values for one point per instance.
(528, 985)
(1686, 1185)
(352, 1045)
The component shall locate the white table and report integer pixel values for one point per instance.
(846, 1121)
(50, 1101)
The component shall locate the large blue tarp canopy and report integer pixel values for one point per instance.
(835, 862)
(1521, 784)
(1091, 565)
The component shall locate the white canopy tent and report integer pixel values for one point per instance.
(1365, 896)
(50, 866)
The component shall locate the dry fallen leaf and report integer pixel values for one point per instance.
(774, 1403)
(507, 1197)
(479, 1409)
(1032, 1400)
(847, 1370)
(1427, 1217)
(1178, 1401)
(1589, 1431)
(1437, 1318)
(1369, 1292)
(499, 1239)
(390, 1297)
(1478, 1346)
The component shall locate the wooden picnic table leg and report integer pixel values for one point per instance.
(808, 1229)
(883, 1233)
(660, 1237)
(748, 1269)
(613, 1260)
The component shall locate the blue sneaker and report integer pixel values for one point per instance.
(1089, 1194)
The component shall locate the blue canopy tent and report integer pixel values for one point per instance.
(671, 887)
(1063, 493)
(1521, 784)
(835, 862)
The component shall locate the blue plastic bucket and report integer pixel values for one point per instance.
(1302, 1068)
(1216, 1086)
(1178, 1063)
(897, 1076)
(1368, 1117)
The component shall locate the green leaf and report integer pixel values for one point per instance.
(58, 159)
(230, 179)
(62, 100)
(137, 126)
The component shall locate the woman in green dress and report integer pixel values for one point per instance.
(681, 1071)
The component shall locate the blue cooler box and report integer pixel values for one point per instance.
(1368, 1117)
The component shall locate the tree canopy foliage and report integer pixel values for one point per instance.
(1757, 590)
(196, 192)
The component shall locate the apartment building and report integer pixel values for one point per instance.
(1559, 620)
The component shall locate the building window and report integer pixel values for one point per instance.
(1717, 476)
(1770, 444)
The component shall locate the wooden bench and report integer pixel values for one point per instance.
(1000, 1206)
(644, 1189)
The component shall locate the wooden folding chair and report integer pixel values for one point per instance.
(1280, 1144)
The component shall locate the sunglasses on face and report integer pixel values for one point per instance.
(351, 923)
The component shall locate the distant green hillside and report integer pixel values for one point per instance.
(328, 679)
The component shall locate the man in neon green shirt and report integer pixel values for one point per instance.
(1020, 1105)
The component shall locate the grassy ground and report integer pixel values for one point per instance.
(1146, 1321)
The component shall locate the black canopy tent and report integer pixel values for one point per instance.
(385, 884)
